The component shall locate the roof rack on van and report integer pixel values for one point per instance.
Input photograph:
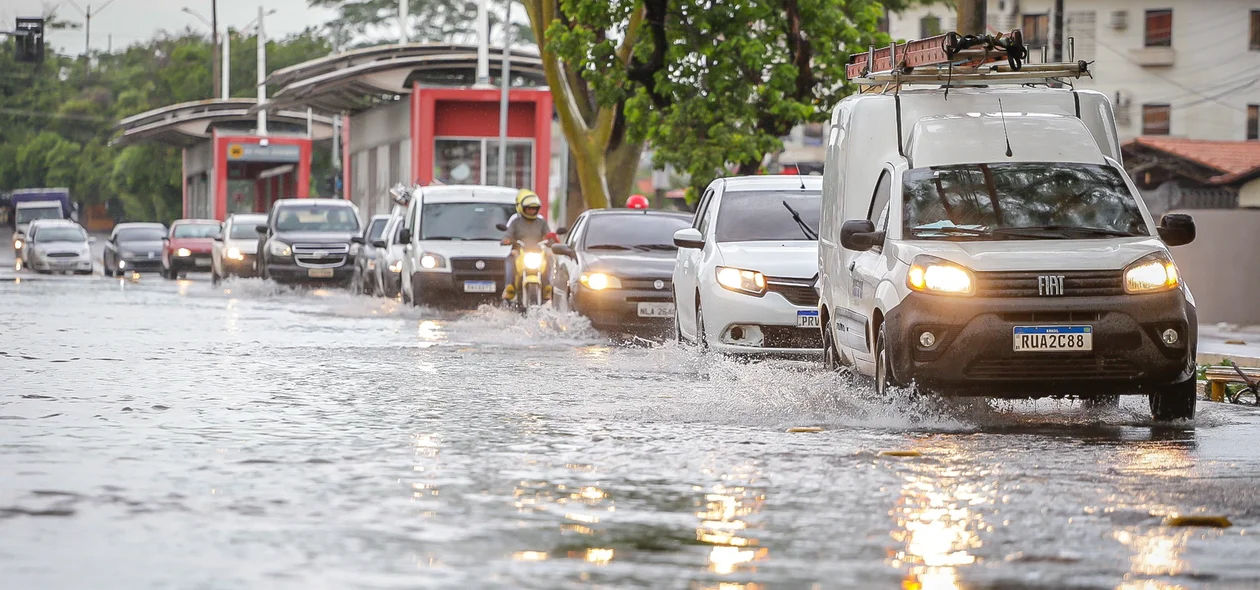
(957, 59)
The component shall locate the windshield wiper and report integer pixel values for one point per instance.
(1062, 230)
(657, 247)
(952, 230)
(808, 231)
(608, 247)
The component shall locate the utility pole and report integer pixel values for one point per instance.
(87, 23)
(215, 66)
(226, 68)
(972, 19)
(403, 8)
(1056, 43)
(262, 75)
(483, 44)
(505, 75)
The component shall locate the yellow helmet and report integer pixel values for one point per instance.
(530, 200)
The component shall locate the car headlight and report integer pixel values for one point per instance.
(235, 254)
(396, 266)
(742, 281)
(280, 249)
(933, 275)
(532, 260)
(1151, 274)
(598, 281)
(428, 260)
(183, 252)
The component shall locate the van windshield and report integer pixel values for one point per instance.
(463, 221)
(768, 216)
(1020, 200)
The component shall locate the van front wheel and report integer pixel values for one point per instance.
(1174, 402)
(884, 378)
(831, 353)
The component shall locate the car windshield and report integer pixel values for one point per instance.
(244, 229)
(196, 230)
(1019, 200)
(29, 214)
(463, 221)
(768, 215)
(634, 232)
(141, 234)
(317, 218)
(377, 229)
(60, 234)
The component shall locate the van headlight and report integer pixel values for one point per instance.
(598, 281)
(740, 280)
(1152, 274)
(532, 260)
(235, 254)
(428, 261)
(279, 249)
(929, 274)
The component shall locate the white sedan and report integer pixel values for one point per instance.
(744, 281)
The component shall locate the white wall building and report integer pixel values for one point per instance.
(1186, 68)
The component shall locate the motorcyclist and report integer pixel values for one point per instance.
(530, 228)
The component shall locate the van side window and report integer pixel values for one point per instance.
(702, 209)
(883, 192)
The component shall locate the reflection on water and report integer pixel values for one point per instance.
(722, 524)
(937, 525)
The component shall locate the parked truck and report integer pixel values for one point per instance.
(30, 204)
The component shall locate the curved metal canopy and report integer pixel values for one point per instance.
(357, 80)
(186, 124)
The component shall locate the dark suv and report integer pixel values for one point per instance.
(309, 241)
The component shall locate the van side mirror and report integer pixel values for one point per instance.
(688, 237)
(378, 243)
(356, 240)
(859, 235)
(1176, 229)
(501, 226)
(261, 229)
(404, 235)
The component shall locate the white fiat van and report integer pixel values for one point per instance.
(989, 243)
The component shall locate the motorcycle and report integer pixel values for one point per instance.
(531, 266)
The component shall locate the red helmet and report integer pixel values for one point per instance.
(637, 202)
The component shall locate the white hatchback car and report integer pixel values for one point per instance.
(744, 281)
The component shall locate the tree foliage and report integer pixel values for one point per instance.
(370, 22)
(56, 118)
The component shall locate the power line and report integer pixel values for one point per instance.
(1168, 80)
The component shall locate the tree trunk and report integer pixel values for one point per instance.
(623, 167)
(593, 174)
(575, 203)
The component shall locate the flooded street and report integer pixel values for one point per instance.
(171, 434)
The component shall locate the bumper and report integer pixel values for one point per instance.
(619, 308)
(444, 287)
(292, 273)
(79, 265)
(240, 268)
(140, 264)
(742, 324)
(196, 261)
(974, 349)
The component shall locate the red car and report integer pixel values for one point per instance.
(187, 246)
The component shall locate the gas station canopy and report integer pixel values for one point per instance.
(187, 124)
(358, 80)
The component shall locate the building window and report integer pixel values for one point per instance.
(1253, 121)
(1159, 28)
(1255, 31)
(1036, 30)
(1156, 119)
(929, 26)
(476, 161)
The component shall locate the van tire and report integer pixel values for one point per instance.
(1175, 402)
(831, 353)
(884, 378)
(702, 341)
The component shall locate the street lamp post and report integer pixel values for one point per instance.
(262, 75)
(87, 23)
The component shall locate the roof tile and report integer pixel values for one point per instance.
(1232, 159)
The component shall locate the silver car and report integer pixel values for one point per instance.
(235, 250)
(60, 247)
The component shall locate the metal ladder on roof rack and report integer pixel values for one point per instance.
(957, 59)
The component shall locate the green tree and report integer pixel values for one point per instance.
(371, 22)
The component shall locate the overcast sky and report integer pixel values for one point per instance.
(131, 21)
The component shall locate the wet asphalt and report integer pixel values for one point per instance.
(173, 434)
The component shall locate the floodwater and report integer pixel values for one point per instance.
(162, 434)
